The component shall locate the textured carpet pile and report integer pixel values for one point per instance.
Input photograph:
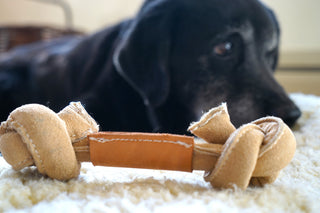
(103, 189)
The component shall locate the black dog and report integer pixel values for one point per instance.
(160, 70)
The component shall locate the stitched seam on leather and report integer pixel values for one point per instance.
(278, 135)
(275, 141)
(21, 162)
(79, 109)
(83, 136)
(199, 124)
(104, 140)
(20, 130)
(222, 166)
(207, 121)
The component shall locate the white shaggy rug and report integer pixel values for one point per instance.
(102, 189)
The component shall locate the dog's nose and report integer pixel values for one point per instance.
(291, 116)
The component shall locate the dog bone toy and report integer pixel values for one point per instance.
(57, 143)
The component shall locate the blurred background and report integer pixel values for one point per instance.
(299, 67)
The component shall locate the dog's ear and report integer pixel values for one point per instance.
(142, 54)
(274, 19)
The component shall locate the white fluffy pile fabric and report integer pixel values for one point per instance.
(103, 189)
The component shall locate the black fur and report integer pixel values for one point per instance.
(157, 71)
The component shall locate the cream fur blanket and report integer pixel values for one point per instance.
(102, 189)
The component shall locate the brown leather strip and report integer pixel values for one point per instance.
(141, 150)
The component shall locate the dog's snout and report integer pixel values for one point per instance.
(290, 116)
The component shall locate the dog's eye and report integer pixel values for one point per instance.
(223, 49)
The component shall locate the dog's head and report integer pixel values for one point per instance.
(203, 53)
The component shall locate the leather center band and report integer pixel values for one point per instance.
(142, 150)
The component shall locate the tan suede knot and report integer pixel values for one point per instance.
(255, 153)
(34, 134)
